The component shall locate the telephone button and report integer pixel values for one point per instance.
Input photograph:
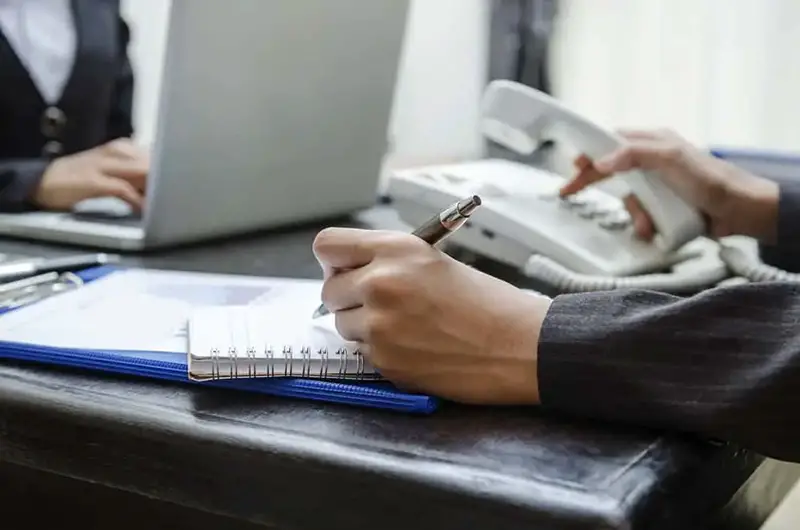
(616, 221)
(549, 196)
(576, 200)
(591, 212)
(453, 179)
(614, 225)
(489, 190)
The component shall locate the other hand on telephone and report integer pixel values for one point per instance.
(733, 200)
(115, 169)
(429, 323)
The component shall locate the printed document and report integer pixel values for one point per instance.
(145, 310)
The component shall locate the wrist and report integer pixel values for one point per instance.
(38, 193)
(755, 210)
(522, 375)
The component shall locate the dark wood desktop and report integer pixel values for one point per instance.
(80, 449)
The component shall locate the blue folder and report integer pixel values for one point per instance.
(173, 367)
(772, 164)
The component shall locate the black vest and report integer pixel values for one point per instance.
(95, 106)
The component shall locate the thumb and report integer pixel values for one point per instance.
(121, 189)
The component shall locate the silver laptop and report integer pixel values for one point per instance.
(270, 113)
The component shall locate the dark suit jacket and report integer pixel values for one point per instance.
(95, 107)
(724, 364)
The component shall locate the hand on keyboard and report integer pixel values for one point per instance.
(116, 169)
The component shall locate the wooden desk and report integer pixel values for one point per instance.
(103, 452)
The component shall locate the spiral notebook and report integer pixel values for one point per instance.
(275, 340)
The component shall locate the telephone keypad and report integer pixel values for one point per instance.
(617, 221)
(592, 212)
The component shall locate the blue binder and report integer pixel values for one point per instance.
(173, 367)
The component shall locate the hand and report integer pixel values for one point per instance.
(429, 323)
(733, 200)
(116, 169)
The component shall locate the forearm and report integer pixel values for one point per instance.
(724, 364)
(19, 179)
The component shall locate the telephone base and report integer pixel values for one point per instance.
(522, 225)
(522, 214)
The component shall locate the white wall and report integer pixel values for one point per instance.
(719, 71)
(435, 113)
(442, 74)
(148, 22)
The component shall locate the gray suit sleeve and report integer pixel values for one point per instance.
(18, 180)
(785, 253)
(723, 364)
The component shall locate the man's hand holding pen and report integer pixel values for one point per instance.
(429, 323)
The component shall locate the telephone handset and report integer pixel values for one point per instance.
(514, 115)
(580, 243)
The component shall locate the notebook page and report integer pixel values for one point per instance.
(141, 310)
(272, 340)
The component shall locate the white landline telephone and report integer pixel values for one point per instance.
(580, 243)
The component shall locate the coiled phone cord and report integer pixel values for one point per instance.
(747, 265)
(564, 280)
(733, 260)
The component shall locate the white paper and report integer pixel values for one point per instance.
(140, 309)
(285, 320)
(279, 337)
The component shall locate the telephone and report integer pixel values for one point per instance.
(580, 243)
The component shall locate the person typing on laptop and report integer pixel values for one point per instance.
(723, 364)
(66, 101)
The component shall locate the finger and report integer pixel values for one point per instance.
(121, 189)
(642, 222)
(342, 290)
(582, 162)
(638, 134)
(586, 177)
(351, 324)
(344, 248)
(122, 148)
(133, 171)
(127, 169)
(639, 154)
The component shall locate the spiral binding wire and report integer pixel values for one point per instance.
(332, 365)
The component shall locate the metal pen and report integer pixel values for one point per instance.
(32, 282)
(437, 228)
(21, 269)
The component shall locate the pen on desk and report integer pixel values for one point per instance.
(36, 288)
(22, 269)
(436, 229)
(33, 281)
